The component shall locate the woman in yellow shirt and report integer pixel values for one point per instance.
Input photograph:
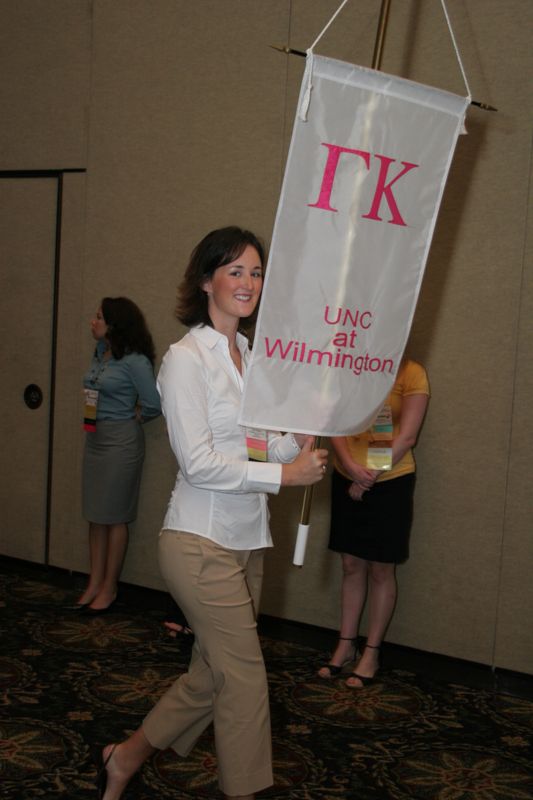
(371, 514)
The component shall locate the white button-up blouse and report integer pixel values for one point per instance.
(218, 493)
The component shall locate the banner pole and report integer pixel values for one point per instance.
(303, 527)
(380, 36)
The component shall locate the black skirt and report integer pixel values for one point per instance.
(377, 527)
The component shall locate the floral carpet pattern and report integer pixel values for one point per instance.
(71, 684)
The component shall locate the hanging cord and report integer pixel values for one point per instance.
(306, 99)
(468, 92)
(321, 34)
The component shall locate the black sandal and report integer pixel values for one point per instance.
(101, 776)
(175, 616)
(177, 628)
(365, 680)
(334, 669)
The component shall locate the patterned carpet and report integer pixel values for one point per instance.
(70, 684)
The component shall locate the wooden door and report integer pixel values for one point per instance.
(27, 267)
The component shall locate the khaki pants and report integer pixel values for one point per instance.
(218, 590)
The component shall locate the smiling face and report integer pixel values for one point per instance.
(98, 326)
(234, 289)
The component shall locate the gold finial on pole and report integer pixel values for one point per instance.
(288, 50)
(483, 106)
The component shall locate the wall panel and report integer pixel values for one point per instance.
(182, 115)
(44, 88)
(514, 643)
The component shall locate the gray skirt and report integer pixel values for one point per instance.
(112, 469)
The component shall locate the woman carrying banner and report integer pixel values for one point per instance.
(371, 511)
(216, 527)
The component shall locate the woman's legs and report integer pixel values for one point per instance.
(107, 548)
(124, 762)
(353, 594)
(226, 681)
(97, 556)
(117, 544)
(127, 758)
(382, 594)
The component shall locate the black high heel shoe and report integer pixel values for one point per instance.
(101, 775)
(87, 611)
(334, 669)
(75, 606)
(365, 680)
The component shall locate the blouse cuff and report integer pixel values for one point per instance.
(264, 476)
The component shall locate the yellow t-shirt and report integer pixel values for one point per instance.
(411, 379)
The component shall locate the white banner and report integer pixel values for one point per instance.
(363, 183)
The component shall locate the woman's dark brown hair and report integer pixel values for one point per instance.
(218, 248)
(127, 331)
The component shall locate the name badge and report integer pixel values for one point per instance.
(256, 444)
(89, 411)
(379, 454)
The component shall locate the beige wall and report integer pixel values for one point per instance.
(181, 115)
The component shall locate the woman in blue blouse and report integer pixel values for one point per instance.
(120, 394)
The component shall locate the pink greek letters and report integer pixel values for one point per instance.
(383, 187)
